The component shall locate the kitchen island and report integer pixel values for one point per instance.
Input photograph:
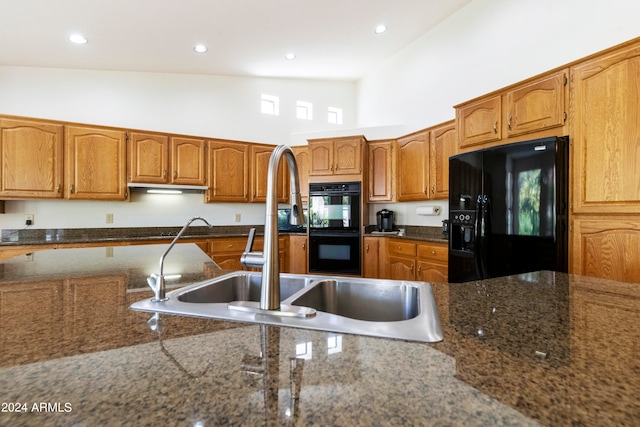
(541, 348)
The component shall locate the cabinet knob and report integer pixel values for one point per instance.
(71, 189)
(58, 188)
(509, 122)
(433, 252)
(164, 173)
(495, 127)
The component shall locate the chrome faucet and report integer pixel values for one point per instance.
(156, 282)
(269, 260)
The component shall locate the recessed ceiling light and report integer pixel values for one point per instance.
(77, 39)
(380, 29)
(200, 48)
(290, 56)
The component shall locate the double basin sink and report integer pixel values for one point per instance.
(382, 308)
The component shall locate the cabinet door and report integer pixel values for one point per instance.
(401, 268)
(260, 157)
(432, 272)
(304, 163)
(187, 161)
(371, 258)
(381, 171)
(347, 156)
(31, 159)
(228, 167)
(321, 153)
(148, 158)
(605, 132)
(95, 163)
(298, 254)
(413, 167)
(607, 248)
(537, 106)
(443, 145)
(479, 123)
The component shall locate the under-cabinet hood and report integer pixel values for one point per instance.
(166, 188)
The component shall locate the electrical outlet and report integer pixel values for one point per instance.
(109, 218)
(237, 217)
(108, 252)
(29, 219)
(29, 256)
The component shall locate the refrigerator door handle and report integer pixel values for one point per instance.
(478, 249)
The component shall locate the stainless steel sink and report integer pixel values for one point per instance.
(381, 308)
(369, 301)
(239, 286)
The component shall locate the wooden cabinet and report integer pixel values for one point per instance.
(161, 159)
(432, 259)
(95, 163)
(443, 144)
(382, 170)
(31, 159)
(605, 133)
(530, 107)
(304, 164)
(371, 257)
(480, 122)
(298, 254)
(228, 168)
(336, 156)
(226, 251)
(148, 158)
(188, 161)
(413, 167)
(422, 261)
(607, 247)
(402, 259)
(260, 156)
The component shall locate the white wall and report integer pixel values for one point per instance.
(213, 106)
(485, 46)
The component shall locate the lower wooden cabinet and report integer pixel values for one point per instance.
(371, 257)
(422, 261)
(226, 251)
(298, 255)
(607, 247)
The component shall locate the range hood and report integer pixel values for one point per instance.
(166, 188)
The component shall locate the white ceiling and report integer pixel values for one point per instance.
(333, 39)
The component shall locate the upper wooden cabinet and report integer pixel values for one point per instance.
(228, 168)
(31, 156)
(605, 132)
(188, 161)
(413, 167)
(304, 163)
(336, 156)
(95, 163)
(382, 170)
(160, 159)
(260, 157)
(443, 144)
(148, 158)
(535, 105)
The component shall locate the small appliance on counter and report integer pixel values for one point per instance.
(385, 220)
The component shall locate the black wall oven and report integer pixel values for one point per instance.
(334, 228)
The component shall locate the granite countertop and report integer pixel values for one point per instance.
(56, 236)
(534, 349)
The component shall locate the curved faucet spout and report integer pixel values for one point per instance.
(268, 260)
(156, 282)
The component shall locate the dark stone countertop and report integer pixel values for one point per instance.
(55, 236)
(534, 349)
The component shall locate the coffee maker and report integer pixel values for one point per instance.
(385, 220)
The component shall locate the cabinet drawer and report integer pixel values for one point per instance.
(434, 252)
(236, 244)
(398, 247)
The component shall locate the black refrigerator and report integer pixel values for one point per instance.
(508, 209)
